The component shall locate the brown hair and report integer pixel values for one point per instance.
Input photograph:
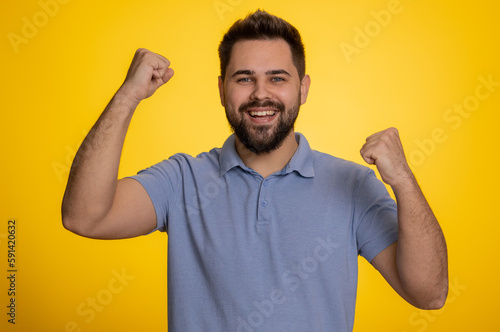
(258, 26)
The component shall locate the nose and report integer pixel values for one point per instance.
(261, 91)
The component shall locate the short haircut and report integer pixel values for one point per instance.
(263, 26)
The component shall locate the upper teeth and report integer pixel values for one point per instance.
(261, 113)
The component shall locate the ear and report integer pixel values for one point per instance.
(221, 91)
(304, 88)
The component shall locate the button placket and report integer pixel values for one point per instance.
(263, 214)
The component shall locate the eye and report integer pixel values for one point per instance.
(244, 79)
(277, 79)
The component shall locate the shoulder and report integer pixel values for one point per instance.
(326, 164)
(183, 159)
(180, 164)
(341, 175)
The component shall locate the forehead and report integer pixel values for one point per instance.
(261, 55)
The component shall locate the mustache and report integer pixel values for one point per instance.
(266, 103)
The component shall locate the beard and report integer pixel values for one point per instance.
(264, 138)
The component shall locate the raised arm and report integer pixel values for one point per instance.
(417, 265)
(96, 204)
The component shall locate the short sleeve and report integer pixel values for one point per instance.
(375, 217)
(162, 183)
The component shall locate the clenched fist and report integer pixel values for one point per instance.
(146, 74)
(384, 149)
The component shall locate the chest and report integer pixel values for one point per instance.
(258, 222)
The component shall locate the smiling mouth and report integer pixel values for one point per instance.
(261, 114)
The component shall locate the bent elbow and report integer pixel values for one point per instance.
(434, 303)
(76, 225)
(71, 224)
(440, 301)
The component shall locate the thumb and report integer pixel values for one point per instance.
(369, 160)
(161, 76)
(367, 155)
(168, 75)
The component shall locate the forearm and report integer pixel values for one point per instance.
(93, 176)
(421, 250)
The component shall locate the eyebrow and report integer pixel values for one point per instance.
(269, 72)
(243, 72)
(277, 72)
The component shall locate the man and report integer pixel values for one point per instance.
(264, 233)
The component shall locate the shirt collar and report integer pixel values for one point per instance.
(302, 160)
(228, 157)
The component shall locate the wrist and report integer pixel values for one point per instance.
(125, 96)
(124, 103)
(404, 183)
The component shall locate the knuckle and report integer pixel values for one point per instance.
(390, 134)
(142, 53)
(393, 131)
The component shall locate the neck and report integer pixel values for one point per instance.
(268, 163)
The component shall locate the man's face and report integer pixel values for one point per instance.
(262, 93)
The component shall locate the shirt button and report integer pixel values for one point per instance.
(264, 203)
(266, 183)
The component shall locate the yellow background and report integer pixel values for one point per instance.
(56, 82)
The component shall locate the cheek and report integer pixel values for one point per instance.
(232, 96)
(289, 98)
(236, 99)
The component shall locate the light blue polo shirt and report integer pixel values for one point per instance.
(275, 254)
